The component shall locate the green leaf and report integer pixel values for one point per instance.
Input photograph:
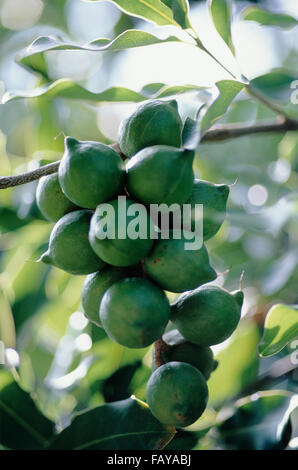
(7, 325)
(221, 15)
(23, 426)
(238, 364)
(191, 134)
(180, 9)
(65, 88)
(176, 90)
(161, 90)
(33, 56)
(228, 90)
(261, 421)
(151, 10)
(281, 327)
(122, 425)
(267, 18)
(275, 84)
(152, 89)
(118, 385)
(186, 440)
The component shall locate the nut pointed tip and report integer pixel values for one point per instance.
(45, 258)
(224, 190)
(239, 297)
(173, 103)
(70, 142)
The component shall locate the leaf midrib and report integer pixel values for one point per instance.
(24, 424)
(159, 12)
(115, 436)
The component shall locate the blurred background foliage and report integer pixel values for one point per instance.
(67, 362)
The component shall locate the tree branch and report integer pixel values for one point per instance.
(50, 168)
(9, 181)
(217, 134)
(232, 131)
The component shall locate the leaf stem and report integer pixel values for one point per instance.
(269, 104)
(217, 61)
(199, 44)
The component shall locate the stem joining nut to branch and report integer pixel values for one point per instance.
(160, 348)
(217, 134)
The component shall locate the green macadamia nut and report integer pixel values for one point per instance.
(69, 247)
(214, 198)
(119, 250)
(161, 175)
(208, 315)
(90, 173)
(154, 122)
(176, 268)
(134, 312)
(177, 394)
(180, 350)
(51, 200)
(94, 288)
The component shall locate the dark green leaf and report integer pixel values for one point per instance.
(9, 220)
(118, 385)
(260, 422)
(221, 15)
(180, 9)
(122, 425)
(281, 327)
(183, 440)
(227, 91)
(187, 440)
(267, 18)
(22, 426)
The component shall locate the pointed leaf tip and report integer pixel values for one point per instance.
(221, 15)
(174, 104)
